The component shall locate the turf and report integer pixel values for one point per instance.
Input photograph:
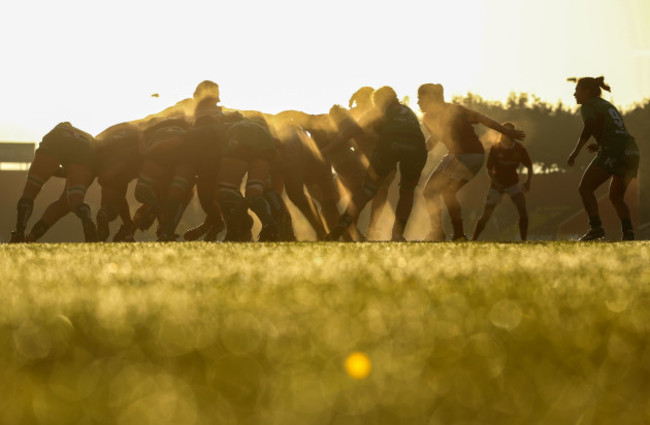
(197, 333)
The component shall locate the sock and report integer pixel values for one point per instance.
(458, 227)
(83, 212)
(595, 223)
(24, 208)
(523, 227)
(626, 224)
(39, 229)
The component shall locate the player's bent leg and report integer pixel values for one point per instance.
(40, 171)
(79, 178)
(403, 209)
(483, 220)
(378, 204)
(593, 177)
(617, 191)
(234, 208)
(432, 194)
(520, 202)
(281, 215)
(174, 205)
(106, 214)
(53, 213)
(454, 209)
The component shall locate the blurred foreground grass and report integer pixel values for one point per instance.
(195, 333)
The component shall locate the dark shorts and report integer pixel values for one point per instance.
(68, 146)
(622, 164)
(411, 158)
(248, 143)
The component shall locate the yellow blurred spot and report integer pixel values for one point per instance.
(357, 365)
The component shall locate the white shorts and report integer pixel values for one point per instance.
(460, 167)
(494, 195)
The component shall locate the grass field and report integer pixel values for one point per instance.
(196, 333)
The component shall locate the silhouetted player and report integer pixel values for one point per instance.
(503, 160)
(452, 125)
(617, 156)
(68, 147)
(399, 140)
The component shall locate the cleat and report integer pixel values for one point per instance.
(336, 232)
(459, 238)
(593, 235)
(124, 234)
(196, 232)
(17, 237)
(211, 235)
(269, 233)
(628, 235)
(398, 238)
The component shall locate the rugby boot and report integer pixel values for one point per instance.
(340, 227)
(628, 235)
(196, 232)
(269, 233)
(103, 229)
(17, 237)
(459, 238)
(124, 234)
(593, 234)
(213, 233)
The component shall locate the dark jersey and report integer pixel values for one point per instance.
(504, 162)
(453, 126)
(611, 133)
(399, 123)
(118, 146)
(69, 144)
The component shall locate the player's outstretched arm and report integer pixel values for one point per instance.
(587, 131)
(490, 123)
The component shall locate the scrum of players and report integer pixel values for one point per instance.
(317, 160)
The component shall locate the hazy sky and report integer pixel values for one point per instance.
(96, 63)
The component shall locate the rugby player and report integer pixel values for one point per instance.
(72, 149)
(249, 149)
(617, 156)
(399, 140)
(503, 161)
(360, 103)
(452, 124)
(117, 162)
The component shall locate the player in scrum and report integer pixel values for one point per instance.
(399, 140)
(68, 152)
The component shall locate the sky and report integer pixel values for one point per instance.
(97, 63)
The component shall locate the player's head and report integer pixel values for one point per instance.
(362, 98)
(384, 96)
(429, 95)
(588, 87)
(505, 138)
(207, 90)
(338, 113)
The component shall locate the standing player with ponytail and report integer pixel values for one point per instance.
(617, 156)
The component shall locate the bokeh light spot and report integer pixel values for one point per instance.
(358, 365)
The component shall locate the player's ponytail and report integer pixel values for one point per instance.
(601, 84)
(594, 85)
